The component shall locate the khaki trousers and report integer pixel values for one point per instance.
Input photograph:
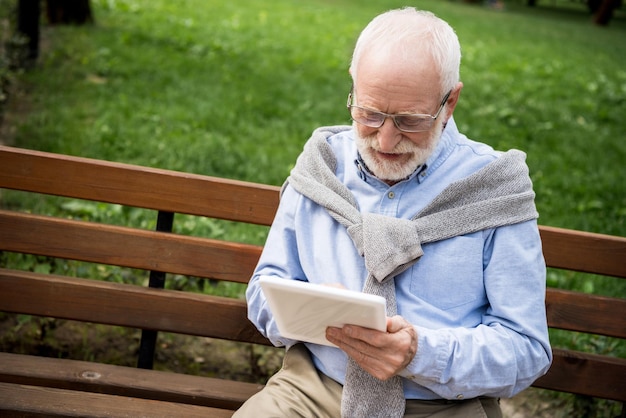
(300, 390)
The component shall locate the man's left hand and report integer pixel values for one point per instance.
(382, 354)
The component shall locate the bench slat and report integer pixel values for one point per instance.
(126, 305)
(132, 185)
(124, 381)
(581, 312)
(186, 255)
(122, 246)
(34, 401)
(584, 251)
(581, 373)
(586, 374)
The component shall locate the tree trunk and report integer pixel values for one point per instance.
(28, 12)
(594, 5)
(605, 12)
(76, 12)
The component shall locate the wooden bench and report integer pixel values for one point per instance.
(37, 386)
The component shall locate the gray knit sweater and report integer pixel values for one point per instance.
(498, 194)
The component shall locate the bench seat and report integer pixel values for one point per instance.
(38, 401)
(110, 379)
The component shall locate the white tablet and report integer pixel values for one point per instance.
(304, 310)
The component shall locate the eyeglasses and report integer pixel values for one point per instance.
(405, 122)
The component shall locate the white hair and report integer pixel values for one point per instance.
(411, 33)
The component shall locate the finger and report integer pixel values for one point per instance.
(370, 358)
(368, 336)
(354, 347)
(348, 337)
(396, 323)
(372, 364)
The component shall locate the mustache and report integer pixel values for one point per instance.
(405, 146)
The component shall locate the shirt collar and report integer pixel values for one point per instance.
(443, 149)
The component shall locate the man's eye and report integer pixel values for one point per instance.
(411, 121)
(373, 117)
(370, 116)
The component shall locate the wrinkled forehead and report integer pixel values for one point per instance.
(394, 66)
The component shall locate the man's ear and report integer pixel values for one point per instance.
(453, 99)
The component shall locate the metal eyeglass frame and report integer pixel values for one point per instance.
(424, 117)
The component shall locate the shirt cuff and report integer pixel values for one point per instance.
(431, 359)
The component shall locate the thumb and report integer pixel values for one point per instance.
(396, 323)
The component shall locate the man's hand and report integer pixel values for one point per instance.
(381, 354)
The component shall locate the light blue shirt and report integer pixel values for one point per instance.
(476, 301)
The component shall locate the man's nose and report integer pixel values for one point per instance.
(388, 136)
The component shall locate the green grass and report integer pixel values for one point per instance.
(234, 89)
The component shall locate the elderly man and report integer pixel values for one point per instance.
(403, 205)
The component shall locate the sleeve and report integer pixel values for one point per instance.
(279, 258)
(509, 349)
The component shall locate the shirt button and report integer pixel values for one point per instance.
(391, 195)
(459, 396)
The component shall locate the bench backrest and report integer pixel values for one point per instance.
(127, 305)
(174, 311)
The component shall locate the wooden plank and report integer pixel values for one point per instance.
(584, 251)
(124, 381)
(34, 401)
(126, 305)
(138, 186)
(586, 374)
(122, 246)
(582, 312)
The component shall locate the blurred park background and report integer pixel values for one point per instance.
(234, 89)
